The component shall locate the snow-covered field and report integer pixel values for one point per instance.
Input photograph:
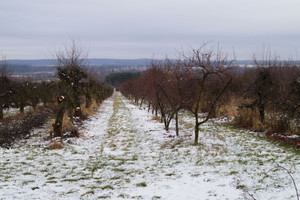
(124, 154)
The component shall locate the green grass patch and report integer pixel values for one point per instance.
(116, 178)
(170, 174)
(87, 193)
(242, 162)
(124, 196)
(220, 161)
(195, 175)
(119, 170)
(27, 174)
(233, 173)
(104, 197)
(51, 181)
(240, 187)
(69, 180)
(27, 182)
(155, 198)
(142, 184)
(71, 191)
(107, 187)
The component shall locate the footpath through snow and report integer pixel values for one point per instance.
(124, 154)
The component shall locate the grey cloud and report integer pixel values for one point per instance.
(141, 28)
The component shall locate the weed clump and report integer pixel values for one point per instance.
(89, 111)
(142, 184)
(247, 118)
(156, 118)
(55, 144)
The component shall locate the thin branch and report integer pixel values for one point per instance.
(290, 175)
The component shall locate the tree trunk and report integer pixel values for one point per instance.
(262, 113)
(196, 108)
(34, 106)
(57, 126)
(76, 100)
(1, 112)
(141, 102)
(196, 128)
(166, 124)
(88, 100)
(22, 108)
(177, 128)
(162, 117)
(70, 112)
(261, 107)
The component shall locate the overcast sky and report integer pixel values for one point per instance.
(32, 29)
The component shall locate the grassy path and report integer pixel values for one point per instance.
(123, 154)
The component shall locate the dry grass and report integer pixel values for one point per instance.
(102, 147)
(273, 123)
(243, 117)
(277, 125)
(56, 144)
(90, 110)
(49, 126)
(248, 118)
(67, 124)
(156, 118)
(229, 109)
(282, 125)
(173, 143)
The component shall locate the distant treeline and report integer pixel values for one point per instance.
(89, 61)
(116, 79)
(22, 68)
(103, 70)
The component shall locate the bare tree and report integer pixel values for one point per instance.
(207, 65)
(177, 79)
(71, 72)
(264, 86)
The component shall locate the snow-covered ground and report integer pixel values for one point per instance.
(124, 154)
